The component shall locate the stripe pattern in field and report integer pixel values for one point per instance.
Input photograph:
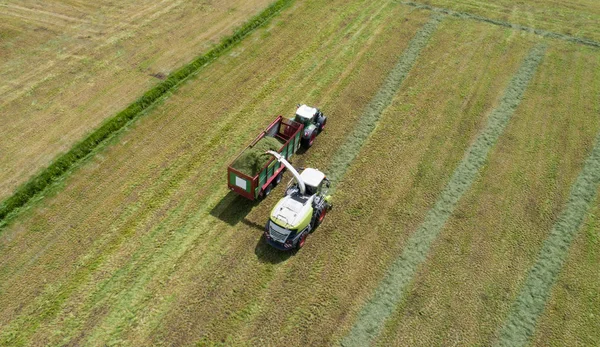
(368, 121)
(383, 303)
(530, 303)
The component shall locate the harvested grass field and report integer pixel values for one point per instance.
(458, 149)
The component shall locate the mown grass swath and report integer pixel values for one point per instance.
(67, 161)
(383, 303)
(367, 122)
(529, 305)
(541, 32)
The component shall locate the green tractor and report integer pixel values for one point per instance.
(301, 210)
(314, 122)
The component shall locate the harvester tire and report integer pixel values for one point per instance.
(302, 241)
(319, 217)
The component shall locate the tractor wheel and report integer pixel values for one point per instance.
(308, 142)
(302, 241)
(322, 123)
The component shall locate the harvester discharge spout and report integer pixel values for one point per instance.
(289, 166)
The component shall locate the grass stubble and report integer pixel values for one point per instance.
(368, 121)
(572, 311)
(567, 21)
(66, 162)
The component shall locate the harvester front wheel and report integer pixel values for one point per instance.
(319, 217)
(302, 241)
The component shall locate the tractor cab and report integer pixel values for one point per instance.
(306, 115)
(314, 122)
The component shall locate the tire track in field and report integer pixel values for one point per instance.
(368, 121)
(521, 322)
(382, 304)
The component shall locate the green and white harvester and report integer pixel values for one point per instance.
(301, 210)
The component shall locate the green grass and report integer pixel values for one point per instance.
(254, 159)
(537, 31)
(572, 311)
(465, 289)
(573, 20)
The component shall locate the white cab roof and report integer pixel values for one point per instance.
(306, 111)
(312, 177)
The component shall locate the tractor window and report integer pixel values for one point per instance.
(301, 120)
(310, 190)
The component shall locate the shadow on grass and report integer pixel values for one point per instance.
(233, 208)
(268, 254)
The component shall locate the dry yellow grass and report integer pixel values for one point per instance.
(67, 66)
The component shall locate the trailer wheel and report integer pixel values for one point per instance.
(302, 241)
(268, 190)
(278, 178)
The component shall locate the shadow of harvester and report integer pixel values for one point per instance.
(233, 208)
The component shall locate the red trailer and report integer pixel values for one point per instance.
(287, 131)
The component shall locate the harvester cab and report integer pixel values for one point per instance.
(301, 210)
(314, 122)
